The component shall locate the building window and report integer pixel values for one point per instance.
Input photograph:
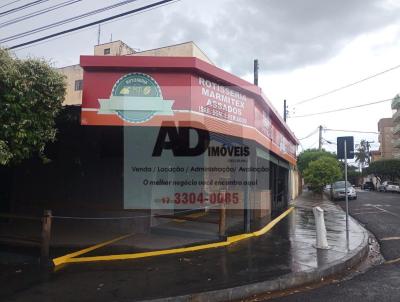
(107, 51)
(78, 85)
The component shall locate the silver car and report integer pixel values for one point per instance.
(338, 191)
(388, 186)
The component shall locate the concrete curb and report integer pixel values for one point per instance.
(284, 282)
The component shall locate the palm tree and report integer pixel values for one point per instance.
(361, 154)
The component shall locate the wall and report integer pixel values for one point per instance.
(386, 138)
(188, 49)
(117, 48)
(72, 73)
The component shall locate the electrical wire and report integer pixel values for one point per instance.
(9, 3)
(355, 131)
(143, 8)
(38, 13)
(16, 9)
(347, 86)
(341, 109)
(312, 146)
(311, 134)
(65, 21)
(87, 28)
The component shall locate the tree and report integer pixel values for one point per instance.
(309, 155)
(385, 169)
(353, 174)
(321, 172)
(31, 94)
(362, 154)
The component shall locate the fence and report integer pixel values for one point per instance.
(42, 241)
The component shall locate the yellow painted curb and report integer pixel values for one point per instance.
(62, 259)
(71, 258)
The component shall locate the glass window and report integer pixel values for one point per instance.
(78, 85)
(340, 184)
(107, 51)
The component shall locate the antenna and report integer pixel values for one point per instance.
(111, 38)
(98, 35)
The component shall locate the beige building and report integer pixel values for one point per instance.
(387, 138)
(375, 155)
(396, 126)
(74, 73)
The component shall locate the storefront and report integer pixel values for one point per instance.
(195, 138)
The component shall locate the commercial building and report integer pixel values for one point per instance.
(74, 73)
(161, 133)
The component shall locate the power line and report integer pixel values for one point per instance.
(9, 3)
(65, 21)
(38, 13)
(347, 86)
(85, 29)
(311, 134)
(355, 131)
(143, 8)
(13, 10)
(341, 109)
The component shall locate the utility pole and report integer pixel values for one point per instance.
(320, 138)
(256, 72)
(284, 110)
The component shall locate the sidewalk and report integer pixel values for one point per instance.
(283, 258)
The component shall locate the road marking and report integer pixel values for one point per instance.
(71, 258)
(390, 238)
(362, 213)
(386, 211)
(393, 261)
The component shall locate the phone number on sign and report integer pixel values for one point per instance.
(193, 198)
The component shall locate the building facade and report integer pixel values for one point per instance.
(387, 138)
(396, 126)
(192, 134)
(74, 73)
(158, 136)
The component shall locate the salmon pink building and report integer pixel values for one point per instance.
(195, 138)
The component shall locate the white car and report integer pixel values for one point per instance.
(338, 191)
(327, 188)
(388, 186)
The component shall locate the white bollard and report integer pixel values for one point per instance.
(322, 242)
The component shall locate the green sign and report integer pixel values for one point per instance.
(136, 98)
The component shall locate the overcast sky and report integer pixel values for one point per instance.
(305, 48)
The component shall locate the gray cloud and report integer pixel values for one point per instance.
(282, 34)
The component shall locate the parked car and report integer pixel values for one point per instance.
(368, 185)
(338, 191)
(327, 188)
(388, 186)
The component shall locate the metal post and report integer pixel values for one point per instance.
(345, 191)
(247, 200)
(46, 232)
(222, 218)
(98, 35)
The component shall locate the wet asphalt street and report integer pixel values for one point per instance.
(380, 214)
